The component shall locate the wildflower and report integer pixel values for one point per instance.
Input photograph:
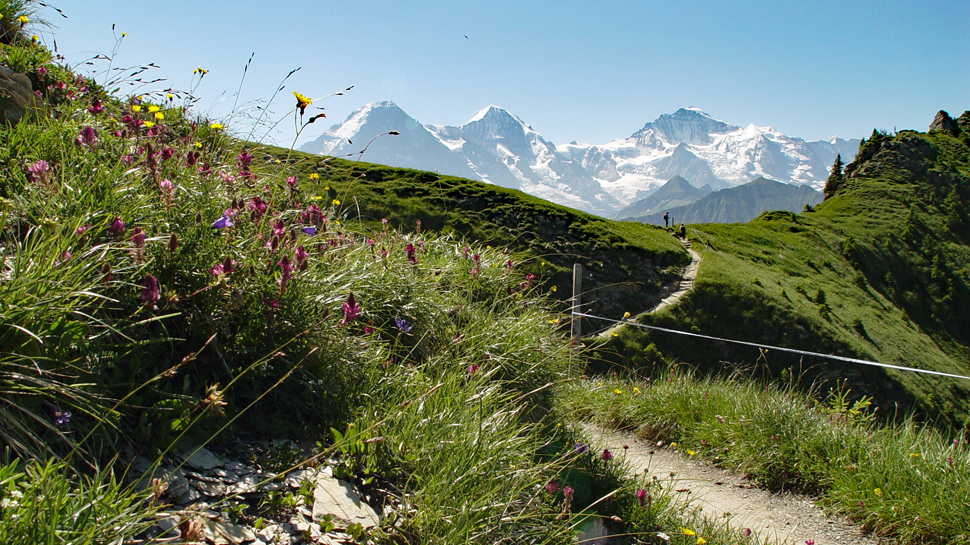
(580, 448)
(201, 71)
(568, 493)
(747, 532)
(702, 541)
(245, 160)
(411, 253)
(88, 137)
(606, 456)
(34, 38)
(403, 325)
(626, 315)
(552, 487)
(191, 158)
(688, 532)
(914, 455)
(302, 102)
(641, 495)
(138, 237)
(167, 153)
(636, 391)
(61, 418)
(690, 452)
(351, 309)
(148, 124)
(257, 208)
(309, 230)
(116, 226)
(173, 243)
(287, 273)
(217, 269)
(223, 222)
(82, 229)
(23, 20)
(877, 492)
(96, 106)
(159, 116)
(136, 108)
(335, 202)
(300, 257)
(368, 330)
(215, 126)
(150, 292)
(153, 108)
(809, 542)
(291, 182)
(314, 176)
(37, 171)
(473, 368)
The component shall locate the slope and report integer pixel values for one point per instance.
(739, 204)
(676, 192)
(878, 271)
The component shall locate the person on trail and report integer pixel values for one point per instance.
(683, 232)
(666, 217)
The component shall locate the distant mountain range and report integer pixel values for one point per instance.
(497, 147)
(733, 205)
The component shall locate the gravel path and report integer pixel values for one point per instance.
(787, 518)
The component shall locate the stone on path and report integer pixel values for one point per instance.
(200, 458)
(338, 498)
(226, 533)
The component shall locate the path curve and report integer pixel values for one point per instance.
(788, 518)
(684, 285)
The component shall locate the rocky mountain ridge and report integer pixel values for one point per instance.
(497, 147)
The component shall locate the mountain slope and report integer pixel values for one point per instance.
(675, 193)
(497, 147)
(879, 272)
(739, 204)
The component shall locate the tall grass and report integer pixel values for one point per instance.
(890, 478)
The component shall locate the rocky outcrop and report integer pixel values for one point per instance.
(964, 121)
(16, 95)
(943, 122)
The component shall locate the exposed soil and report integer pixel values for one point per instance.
(777, 517)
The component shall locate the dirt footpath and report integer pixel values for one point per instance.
(786, 518)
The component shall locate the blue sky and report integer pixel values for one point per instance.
(581, 71)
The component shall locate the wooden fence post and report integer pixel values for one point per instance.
(577, 331)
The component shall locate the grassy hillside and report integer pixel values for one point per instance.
(879, 271)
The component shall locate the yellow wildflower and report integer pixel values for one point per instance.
(613, 334)
(326, 188)
(690, 452)
(149, 124)
(701, 541)
(170, 96)
(23, 20)
(302, 101)
(688, 532)
(152, 108)
(543, 264)
(315, 198)
(198, 145)
(636, 391)
(124, 34)
(553, 289)
(159, 115)
(877, 492)
(314, 176)
(626, 315)
(136, 108)
(617, 391)
(674, 445)
(215, 126)
(914, 455)
(336, 202)
(200, 70)
(34, 38)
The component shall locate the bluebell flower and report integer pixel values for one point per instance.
(403, 325)
(223, 222)
(310, 230)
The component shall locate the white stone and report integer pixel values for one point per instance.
(200, 458)
(338, 498)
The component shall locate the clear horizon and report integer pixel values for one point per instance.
(571, 71)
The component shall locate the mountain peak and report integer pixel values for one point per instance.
(686, 125)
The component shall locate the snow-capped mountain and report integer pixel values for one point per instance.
(498, 147)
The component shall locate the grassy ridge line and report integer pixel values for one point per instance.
(877, 272)
(627, 263)
(888, 479)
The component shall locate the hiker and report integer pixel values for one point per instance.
(666, 217)
(683, 232)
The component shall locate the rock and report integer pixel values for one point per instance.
(238, 468)
(226, 533)
(177, 484)
(188, 497)
(210, 489)
(943, 122)
(16, 95)
(168, 528)
(335, 497)
(295, 478)
(964, 121)
(200, 458)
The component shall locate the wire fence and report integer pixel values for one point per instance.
(769, 347)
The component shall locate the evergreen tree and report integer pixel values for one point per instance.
(835, 181)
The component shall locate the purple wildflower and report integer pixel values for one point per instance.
(167, 153)
(606, 456)
(287, 269)
(96, 107)
(116, 226)
(552, 487)
(403, 325)
(150, 292)
(568, 493)
(351, 309)
(257, 208)
(88, 137)
(411, 253)
(641, 495)
(300, 256)
(313, 215)
(291, 182)
(310, 230)
(138, 237)
(61, 418)
(473, 368)
(245, 159)
(223, 222)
